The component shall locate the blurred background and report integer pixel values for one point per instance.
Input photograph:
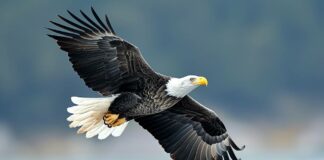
(264, 61)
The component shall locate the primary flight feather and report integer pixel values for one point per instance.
(132, 90)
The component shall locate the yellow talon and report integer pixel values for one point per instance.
(119, 122)
(109, 118)
(113, 120)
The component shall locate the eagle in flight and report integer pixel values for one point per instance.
(132, 90)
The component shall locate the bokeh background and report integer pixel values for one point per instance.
(264, 61)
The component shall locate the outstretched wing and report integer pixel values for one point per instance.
(190, 131)
(106, 62)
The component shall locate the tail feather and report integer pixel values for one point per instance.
(83, 109)
(88, 115)
(118, 131)
(105, 133)
(95, 130)
(87, 101)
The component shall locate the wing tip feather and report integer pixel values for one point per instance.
(235, 146)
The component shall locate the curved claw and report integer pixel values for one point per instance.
(110, 119)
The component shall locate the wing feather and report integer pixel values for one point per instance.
(106, 62)
(189, 130)
(98, 19)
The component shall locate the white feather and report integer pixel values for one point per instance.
(94, 131)
(82, 109)
(105, 133)
(74, 124)
(80, 117)
(88, 115)
(79, 123)
(119, 130)
(87, 101)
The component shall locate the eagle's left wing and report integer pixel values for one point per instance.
(190, 131)
(107, 63)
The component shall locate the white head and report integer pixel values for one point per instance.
(180, 87)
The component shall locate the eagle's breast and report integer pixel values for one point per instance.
(154, 99)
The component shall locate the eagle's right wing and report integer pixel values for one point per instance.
(105, 62)
(190, 131)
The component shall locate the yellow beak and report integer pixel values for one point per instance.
(201, 81)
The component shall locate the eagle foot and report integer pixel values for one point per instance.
(119, 122)
(113, 120)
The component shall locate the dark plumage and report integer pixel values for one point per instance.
(190, 131)
(115, 68)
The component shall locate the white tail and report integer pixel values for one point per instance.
(88, 115)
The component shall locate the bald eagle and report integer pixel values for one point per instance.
(132, 90)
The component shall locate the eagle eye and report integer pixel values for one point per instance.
(192, 79)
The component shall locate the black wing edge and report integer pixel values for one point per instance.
(86, 29)
(105, 61)
(179, 135)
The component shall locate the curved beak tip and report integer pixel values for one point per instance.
(202, 81)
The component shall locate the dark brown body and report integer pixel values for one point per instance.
(151, 99)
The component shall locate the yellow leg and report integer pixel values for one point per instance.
(119, 122)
